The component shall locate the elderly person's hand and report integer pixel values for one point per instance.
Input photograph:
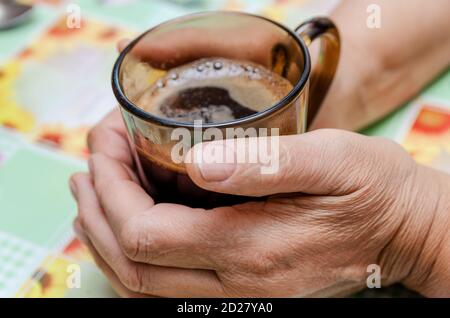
(379, 68)
(354, 201)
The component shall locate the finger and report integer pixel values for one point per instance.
(137, 277)
(104, 267)
(318, 162)
(164, 234)
(120, 196)
(180, 46)
(110, 138)
(122, 44)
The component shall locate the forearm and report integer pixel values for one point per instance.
(381, 68)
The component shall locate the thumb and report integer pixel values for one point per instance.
(318, 162)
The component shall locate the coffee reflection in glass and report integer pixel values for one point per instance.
(226, 69)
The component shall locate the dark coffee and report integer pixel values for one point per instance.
(212, 90)
(205, 103)
(168, 185)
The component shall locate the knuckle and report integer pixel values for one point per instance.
(329, 133)
(266, 263)
(130, 238)
(343, 152)
(131, 277)
(82, 218)
(139, 241)
(335, 139)
(92, 136)
(261, 263)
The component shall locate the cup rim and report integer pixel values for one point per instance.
(137, 111)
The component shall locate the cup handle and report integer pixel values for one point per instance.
(323, 73)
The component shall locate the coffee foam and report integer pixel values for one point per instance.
(249, 84)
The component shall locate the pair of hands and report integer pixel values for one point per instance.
(354, 200)
(359, 201)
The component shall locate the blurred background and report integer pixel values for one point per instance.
(56, 58)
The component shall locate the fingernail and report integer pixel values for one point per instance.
(215, 165)
(73, 188)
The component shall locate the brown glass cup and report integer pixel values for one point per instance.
(231, 35)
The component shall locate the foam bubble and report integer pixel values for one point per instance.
(215, 90)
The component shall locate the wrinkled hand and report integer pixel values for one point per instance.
(359, 201)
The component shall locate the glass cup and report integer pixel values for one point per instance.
(224, 34)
